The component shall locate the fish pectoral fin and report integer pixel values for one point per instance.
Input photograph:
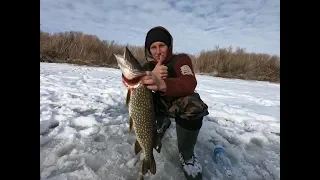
(149, 165)
(153, 166)
(137, 147)
(128, 97)
(130, 124)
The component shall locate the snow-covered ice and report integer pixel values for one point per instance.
(84, 131)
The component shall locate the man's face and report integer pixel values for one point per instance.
(159, 50)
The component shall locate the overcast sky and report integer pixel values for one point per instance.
(195, 25)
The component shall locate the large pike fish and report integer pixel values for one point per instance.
(141, 113)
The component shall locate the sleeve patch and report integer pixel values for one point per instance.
(186, 70)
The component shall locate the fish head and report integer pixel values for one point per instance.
(129, 65)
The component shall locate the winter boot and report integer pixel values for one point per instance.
(186, 142)
(162, 123)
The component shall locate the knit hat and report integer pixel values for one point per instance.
(157, 34)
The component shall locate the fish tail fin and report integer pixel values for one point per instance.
(149, 165)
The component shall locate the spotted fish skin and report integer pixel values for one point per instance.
(141, 113)
(140, 104)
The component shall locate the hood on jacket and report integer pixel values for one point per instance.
(147, 52)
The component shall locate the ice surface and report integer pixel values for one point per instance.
(84, 131)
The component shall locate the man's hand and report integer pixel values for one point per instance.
(160, 71)
(153, 82)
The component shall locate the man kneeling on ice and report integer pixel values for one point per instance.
(173, 81)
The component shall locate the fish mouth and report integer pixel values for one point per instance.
(128, 64)
(132, 83)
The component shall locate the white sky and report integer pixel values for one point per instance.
(195, 25)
